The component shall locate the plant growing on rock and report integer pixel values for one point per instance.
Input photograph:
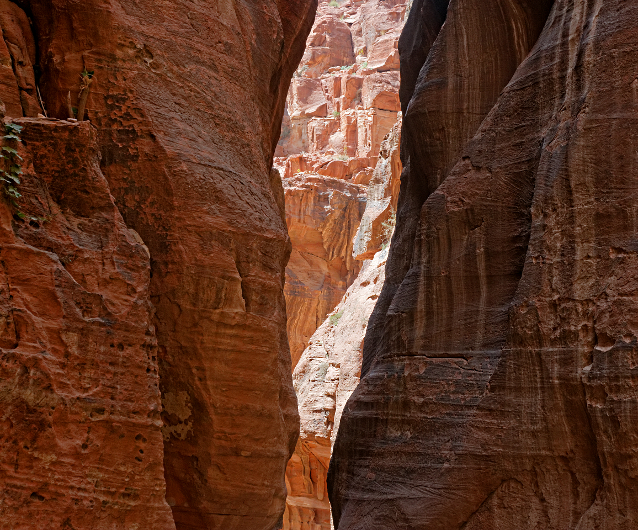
(323, 370)
(334, 319)
(10, 169)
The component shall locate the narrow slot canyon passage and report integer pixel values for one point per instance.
(339, 159)
(318, 265)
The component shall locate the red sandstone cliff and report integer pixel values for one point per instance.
(98, 321)
(342, 102)
(329, 368)
(499, 368)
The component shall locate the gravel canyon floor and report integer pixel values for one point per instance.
(314, 265)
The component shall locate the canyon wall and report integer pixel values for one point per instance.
(341, 135)
(499, 383)
(342, 102)
(146, 376)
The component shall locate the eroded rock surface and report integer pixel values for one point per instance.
(499, 382)
(323, 215)
(187, 100)
(80, 443)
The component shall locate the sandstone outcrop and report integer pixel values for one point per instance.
(80, 443)
(342, 102)
(17, 58)
(330, 367)
(499, 382)
(187, 102)
(323, 215)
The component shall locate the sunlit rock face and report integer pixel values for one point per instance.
(146, 376)
(329, 368)
(499, 378)
(341, 167)
(343, 101)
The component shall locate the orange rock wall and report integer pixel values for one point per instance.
(329, 368)
(342, 102)
(81, 443)
(185, 109)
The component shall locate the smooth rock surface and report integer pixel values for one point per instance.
(323, 216)
(499, 382)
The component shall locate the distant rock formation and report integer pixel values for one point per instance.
(343, 100)
(330, 367)
(499, 378)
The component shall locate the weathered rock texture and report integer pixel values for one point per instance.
(187, 100)
(342, 102)
(330, 367)
(323, 215)
(17, 58)
(500, 383)
(80, 442)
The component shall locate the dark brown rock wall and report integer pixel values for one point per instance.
(499, 385)
(187, 99)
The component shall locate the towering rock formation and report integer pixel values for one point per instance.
(330, 367)
(337, 163)
(152, 264)
(500, 381)
(343, 100)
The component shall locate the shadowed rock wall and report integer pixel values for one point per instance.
(499, 377)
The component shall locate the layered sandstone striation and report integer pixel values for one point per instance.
(343, 101)
(323, 215)
(329, 368)
(157, 268)
(499, 380)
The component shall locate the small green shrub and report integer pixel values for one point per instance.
(334, 3)
(364, 65)
(10, 169)
(334, 319)
(301, 71)
(336, 113)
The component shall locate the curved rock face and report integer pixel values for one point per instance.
(499, 375)
(323, 215)
(80, 442)
(187, 100)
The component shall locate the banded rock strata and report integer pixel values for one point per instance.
(499, 381)
(160, 272)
